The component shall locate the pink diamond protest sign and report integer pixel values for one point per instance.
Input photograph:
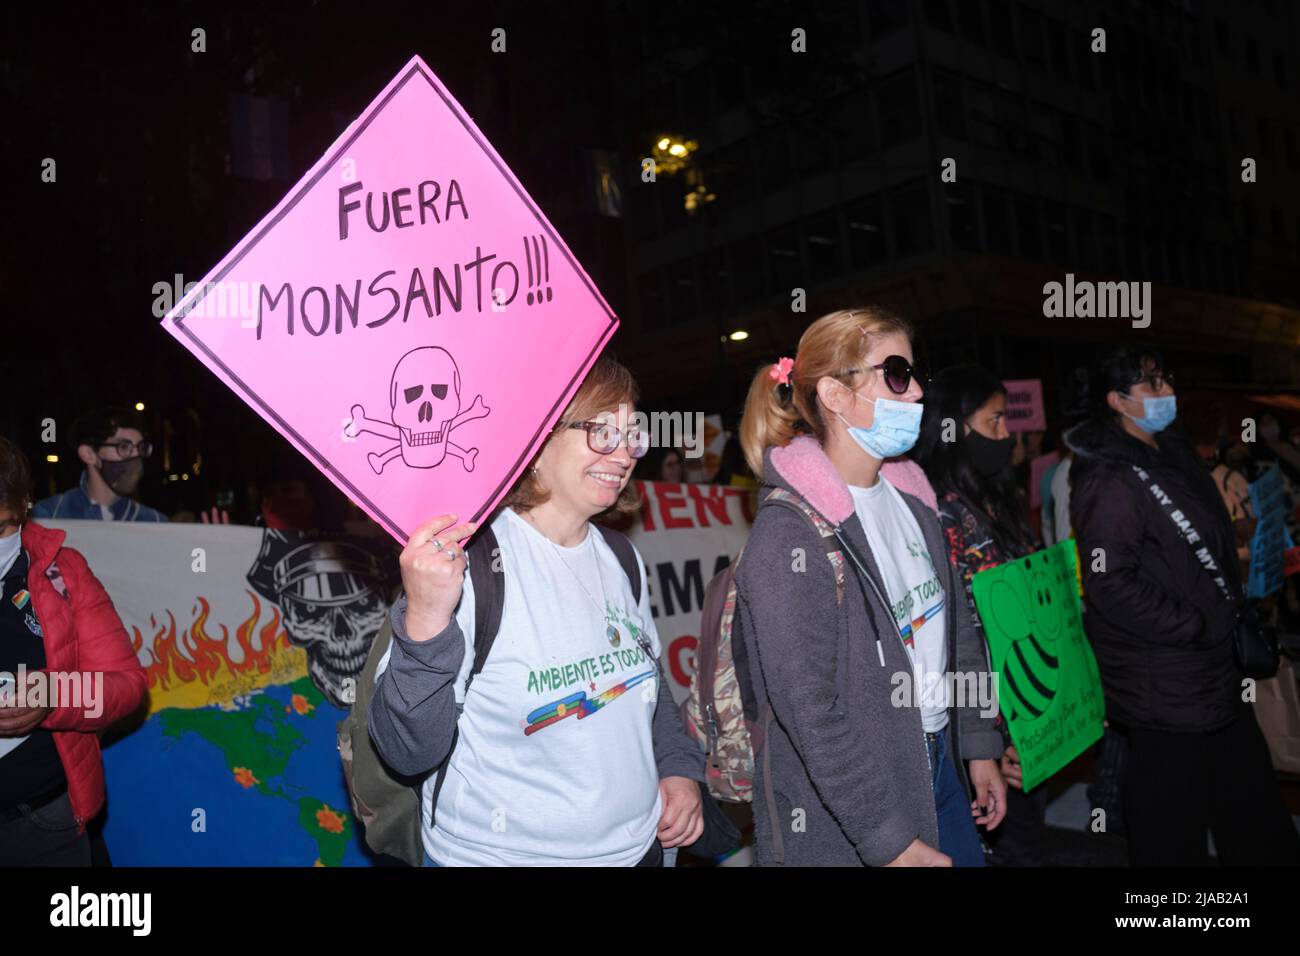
(406, 316)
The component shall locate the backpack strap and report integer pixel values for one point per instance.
(489, 595)
(489, 603)
(830, 541)
(622, 547)
(719, 606)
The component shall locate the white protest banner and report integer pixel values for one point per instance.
(686, 534)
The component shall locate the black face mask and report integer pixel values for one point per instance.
(989, 455)
(122, 476)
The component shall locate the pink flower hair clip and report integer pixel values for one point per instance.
(780, 370)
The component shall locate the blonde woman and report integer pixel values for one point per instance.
(852, 646)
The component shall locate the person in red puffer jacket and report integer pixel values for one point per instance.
(56, 619)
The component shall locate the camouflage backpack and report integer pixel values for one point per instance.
(720, 711)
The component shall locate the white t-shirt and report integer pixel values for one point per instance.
(555, 761)
(914, 592)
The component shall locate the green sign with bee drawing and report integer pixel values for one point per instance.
(1049, 690)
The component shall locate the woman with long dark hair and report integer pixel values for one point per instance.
(965, 449)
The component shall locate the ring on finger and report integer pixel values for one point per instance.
(451, 553)
(437, 545)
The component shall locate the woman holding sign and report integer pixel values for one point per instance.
(966, 451)
(565, 747)
(852, 618)
(1162, 587)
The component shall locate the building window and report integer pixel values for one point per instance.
(970, 15)
(963, 227)
(1084, 241)
(886, 16)
(654, 307)
(773, 159)
(783, 265)
(1252, 55)
(997, 222)
(642, 212)
(855, 125)
(1029, 227)
(1058, 48)
(1107, 244)
(825, 248)
(1045, 134)
(938, 16)
(984, 129)
(866, 231)
(1031, 36)
(733, 173)
(812, 146)
(909, 217)
(1221, 40)
(715, 281)
(1058, 232)
(683, 297)
(1071, 144)
(746, 258)
(1265, 136)
(900, 113)
(949, 114)
(1002, 35)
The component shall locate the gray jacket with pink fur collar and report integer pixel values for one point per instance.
(838, 750)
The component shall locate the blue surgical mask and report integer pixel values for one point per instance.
(893, 431)
(1158, 413)
(9, 548)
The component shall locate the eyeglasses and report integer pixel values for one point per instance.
(127, 448)
(604, 438)
(1156, 380)
(899, 373)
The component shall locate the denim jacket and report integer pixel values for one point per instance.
(77, 503)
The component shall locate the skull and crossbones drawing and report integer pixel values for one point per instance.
(424, 398)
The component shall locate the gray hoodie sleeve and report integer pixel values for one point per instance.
(413, 711)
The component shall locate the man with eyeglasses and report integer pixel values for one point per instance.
(111, 444)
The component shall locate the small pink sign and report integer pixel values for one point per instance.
(406, 316)
(1025, 405)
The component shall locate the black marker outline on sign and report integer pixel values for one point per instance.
(513, 473)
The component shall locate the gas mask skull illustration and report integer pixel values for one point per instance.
(333, 598)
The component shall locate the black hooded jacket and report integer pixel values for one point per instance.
(1161, 628)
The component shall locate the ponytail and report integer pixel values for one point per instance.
(770, 418)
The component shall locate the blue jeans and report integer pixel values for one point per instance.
(957, 835)
(430, 861)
